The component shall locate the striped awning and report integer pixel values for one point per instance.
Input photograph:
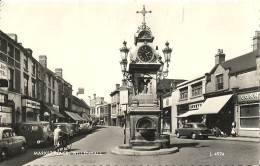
(74, 116)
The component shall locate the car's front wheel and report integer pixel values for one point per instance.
(23, 148)
(3, 155)
(177, 134)
(193, 135)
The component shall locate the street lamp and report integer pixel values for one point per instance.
(167, 57)
(124, 53)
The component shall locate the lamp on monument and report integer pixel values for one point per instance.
(124, 51)
(123, 66)
(167, 53)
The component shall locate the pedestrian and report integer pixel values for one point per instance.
(57, 133)
(233, 129)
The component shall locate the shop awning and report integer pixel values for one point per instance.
(53, 111)
(212, 105)
(87, 118)
(186, 114)
(74, 116)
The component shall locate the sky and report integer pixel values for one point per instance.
(84, 37)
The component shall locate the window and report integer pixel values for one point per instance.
(49, 95)
(249, 116)
(11, 79)
(197, 89)
(184, 93)
(53, 97)
(33, 88)
(53, 83)
(33, 68)
(25, 78)
(25, 62)
(49, 80)
(219, 82)
(10, 50)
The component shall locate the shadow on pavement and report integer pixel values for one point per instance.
(184, 145)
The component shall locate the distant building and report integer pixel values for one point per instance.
(116, 115)
(99, 111)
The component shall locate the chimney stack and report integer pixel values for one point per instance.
(256, 40)
(219, 57)
(58, 72)
(94, 95)
(13, 36)
(117, 86)
(43, 60)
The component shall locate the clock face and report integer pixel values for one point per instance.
(145, 53)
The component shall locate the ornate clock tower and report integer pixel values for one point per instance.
(145, 70)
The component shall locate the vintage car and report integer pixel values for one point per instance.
(194, 130)
(10, 143)
(83, 128)
(75, 128)
(36, 133)
(65, 127)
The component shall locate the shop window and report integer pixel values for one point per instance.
(53, 97)
(219, 82)
(249, 116)
(184, 93)
(197, 89)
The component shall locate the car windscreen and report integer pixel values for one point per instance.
(46, 128)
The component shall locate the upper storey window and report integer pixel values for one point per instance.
(219, 83)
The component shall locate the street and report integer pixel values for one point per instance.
(97, 147)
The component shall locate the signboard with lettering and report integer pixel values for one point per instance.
(4, 76)
(5, 109)
(249, 97)
(195, 106)
(31, 104)
(3, 98)
(124, 96)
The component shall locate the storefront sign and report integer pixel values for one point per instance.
(31, 104)
(3, 70)
(249, 96)
(195, 106)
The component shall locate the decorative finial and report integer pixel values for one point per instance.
(144, 13)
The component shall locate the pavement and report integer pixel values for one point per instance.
(242, 139)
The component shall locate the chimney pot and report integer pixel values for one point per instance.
(117, 86)
(94, 95)
(43, 60)
(219, 57)
(58, 72)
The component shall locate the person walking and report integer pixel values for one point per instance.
(57, 133)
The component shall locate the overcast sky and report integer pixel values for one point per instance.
(83, 38)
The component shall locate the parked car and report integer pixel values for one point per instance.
(75, 128)
(10, 143)
(194, 130)
(65, 127)
(83, 128)
(36, 133)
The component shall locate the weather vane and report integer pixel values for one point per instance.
(144, 13)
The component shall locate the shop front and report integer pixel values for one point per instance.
(30, 110)
(166, 117)
(247, 114)
(51, 112)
